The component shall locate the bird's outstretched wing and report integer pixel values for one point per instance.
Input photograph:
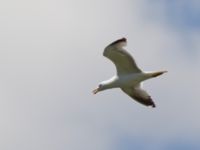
(140, 95)
(123, 61)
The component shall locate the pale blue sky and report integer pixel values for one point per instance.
(51, 59)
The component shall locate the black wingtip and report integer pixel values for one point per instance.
(149, 102)
(123, 39)
(119, 40)
(152, 104)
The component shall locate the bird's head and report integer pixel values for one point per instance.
(98, 89)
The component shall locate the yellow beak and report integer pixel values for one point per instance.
(95, 91)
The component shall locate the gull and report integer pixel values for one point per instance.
(129, 76)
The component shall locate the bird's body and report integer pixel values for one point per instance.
(128, 80)
(129, 76)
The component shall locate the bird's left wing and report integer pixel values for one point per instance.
(123, 61)
(140, 95)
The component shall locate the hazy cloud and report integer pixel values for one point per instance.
(51, 59)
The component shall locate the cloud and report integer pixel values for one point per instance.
(51, 59)
(178, 14)
(146, 143)
(179, 17)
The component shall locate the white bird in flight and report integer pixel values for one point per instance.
(129, 75)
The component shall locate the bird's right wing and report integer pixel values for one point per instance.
(140, 95)
(123, 61)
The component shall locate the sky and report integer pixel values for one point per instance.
(51, 60)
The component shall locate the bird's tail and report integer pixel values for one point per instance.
(157, 73)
